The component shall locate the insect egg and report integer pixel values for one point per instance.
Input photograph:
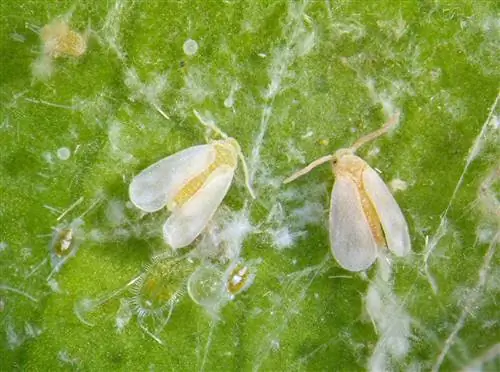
(59, 40)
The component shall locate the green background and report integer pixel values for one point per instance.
(305, 78)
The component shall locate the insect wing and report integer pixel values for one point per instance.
(187, 221)
(389, 213)
(351, 239)
(151, 189)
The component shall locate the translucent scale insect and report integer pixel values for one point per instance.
(363, 213)
(212, 287)
(66, 239)
(152, 295)
(191, 184)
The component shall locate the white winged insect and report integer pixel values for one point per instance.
(191, 184)
(364, 216)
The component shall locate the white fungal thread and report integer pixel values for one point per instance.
(441, 230)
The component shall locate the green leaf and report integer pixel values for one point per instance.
(291, 82)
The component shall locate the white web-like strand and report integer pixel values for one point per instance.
(442, 228)
(311, 273)
(474, 296)
(283, 57)
(469, 304)
(111, 28)
(390, 319)
(476, 365)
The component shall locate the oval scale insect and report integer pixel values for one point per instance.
(152, 295)
(191, 184)
(364, 217)
(62, 242)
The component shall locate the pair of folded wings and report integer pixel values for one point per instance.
(351, 238)
(352, 241)
(156, 187)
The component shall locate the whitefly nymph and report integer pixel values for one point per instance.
(213, 287)
(66, 239)
(364, 216)
(152, 296)
(191, 184)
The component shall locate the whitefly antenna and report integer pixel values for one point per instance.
(217, 130)
(210, 125)
(309, 168)
(392, 122)
(360, 142)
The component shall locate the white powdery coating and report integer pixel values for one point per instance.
(17, 37)
(305, 44)
(96, 235)
(398, 185)
(190, 47)
(66, 358)
(3, 246)
(294, 154)
(32, 330)
(123, 315)
(309, 214)
(229, 101)
(47, 156)
(149, 91)
(392, 322)
(195, 86)
(115, 212)
(63, 153)
(226, 236)
(14, 340)
(284, 238)
(54, 285)
(42, 68)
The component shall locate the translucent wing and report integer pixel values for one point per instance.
(187, 221)
(351, 239)
(152, 189)
(389, 213)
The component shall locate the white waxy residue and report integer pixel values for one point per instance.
(63, 153)
(190, 47)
